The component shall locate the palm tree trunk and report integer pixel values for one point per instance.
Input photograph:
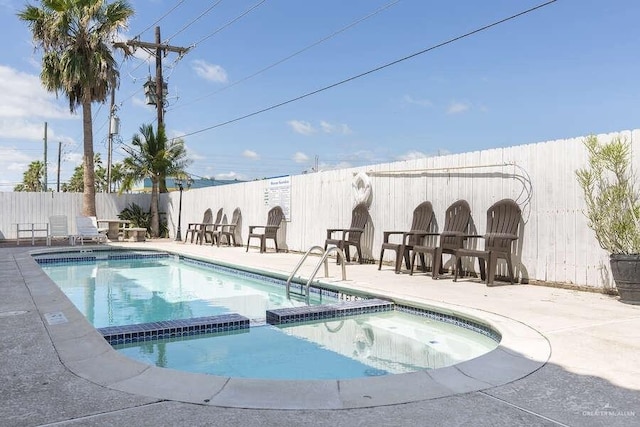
(155, 217)
(89, 178)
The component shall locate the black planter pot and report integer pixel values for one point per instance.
(626, 274)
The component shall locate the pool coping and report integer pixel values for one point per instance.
(83, 350)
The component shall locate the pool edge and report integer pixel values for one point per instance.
(521, 352)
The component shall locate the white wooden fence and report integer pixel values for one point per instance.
(555, 244)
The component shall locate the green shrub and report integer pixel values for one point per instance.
(142, 219)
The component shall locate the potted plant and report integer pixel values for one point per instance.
(613, 210)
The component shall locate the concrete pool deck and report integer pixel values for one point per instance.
(567, 358)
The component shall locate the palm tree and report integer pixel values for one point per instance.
(152, 156)
(32, 178)
(75, 37)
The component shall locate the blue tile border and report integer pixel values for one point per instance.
(453, 320)
(173, 328)
(308, 313)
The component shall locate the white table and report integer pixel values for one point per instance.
(31, 229)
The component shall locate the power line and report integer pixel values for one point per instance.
(366, 73)
(322, 40)
(193, 21)
(159, 19)
(237, 18)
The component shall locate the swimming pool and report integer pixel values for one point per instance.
(131, 288)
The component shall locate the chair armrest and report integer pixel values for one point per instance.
(330, 231)
(253, 227)
(388, 234)
(474, 236)
(500, 236)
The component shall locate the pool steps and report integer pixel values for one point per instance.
(233, 322)
(174, 328)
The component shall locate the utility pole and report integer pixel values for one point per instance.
(59, 161)
(45, 156)
(158, 50)
(113, 129)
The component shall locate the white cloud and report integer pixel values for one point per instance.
(458, 107)
(24, 96)
(231, 175)
(422, 102)
(339, 128)
(412, 155)
(250, 155)
(301, 127)
(211, 72)
(300, 157)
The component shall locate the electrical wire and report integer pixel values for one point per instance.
(237, 18)
(193, 21)
(374, 70)
(314, 44)
(159, 19)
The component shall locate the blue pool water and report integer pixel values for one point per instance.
(116, 292)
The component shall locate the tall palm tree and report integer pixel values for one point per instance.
(152, 156)
(32, 178)
(75, 37)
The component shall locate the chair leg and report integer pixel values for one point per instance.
(483, 269)
(398, 265)
(248, 239)
(360, 259)
(436, 263)
(380, 263)
(407, 261)
(492, 265)
(510, 268)
(275, 243)
(413, 262)
(457, 268)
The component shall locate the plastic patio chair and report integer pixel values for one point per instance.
(350, 236)
(58, 228)
(452, 237)
(422, 216)
(274, 218)
(194, 228)
(503, 220)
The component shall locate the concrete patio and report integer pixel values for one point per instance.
(591, 376)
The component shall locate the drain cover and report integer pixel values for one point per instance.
(55, 318)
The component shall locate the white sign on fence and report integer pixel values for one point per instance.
(278, 193)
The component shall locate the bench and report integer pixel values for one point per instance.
(134, 234)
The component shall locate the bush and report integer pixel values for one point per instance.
(142, 219)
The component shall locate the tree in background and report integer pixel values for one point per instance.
(32, 178)
(152, 156)
(76, 182)
(77, 60)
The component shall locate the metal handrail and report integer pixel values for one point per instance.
(324, 261)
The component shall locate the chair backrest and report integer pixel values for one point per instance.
(503, 219)
(218, 220)
(359, 218)
(274, 218)
(58, 226)
(422, 216)
(235, 218)
(86, 226)
(456, 224)
(207, 218)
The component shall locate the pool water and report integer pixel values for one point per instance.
(360, 346)
(118, 292)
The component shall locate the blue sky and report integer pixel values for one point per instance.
(568, 69)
